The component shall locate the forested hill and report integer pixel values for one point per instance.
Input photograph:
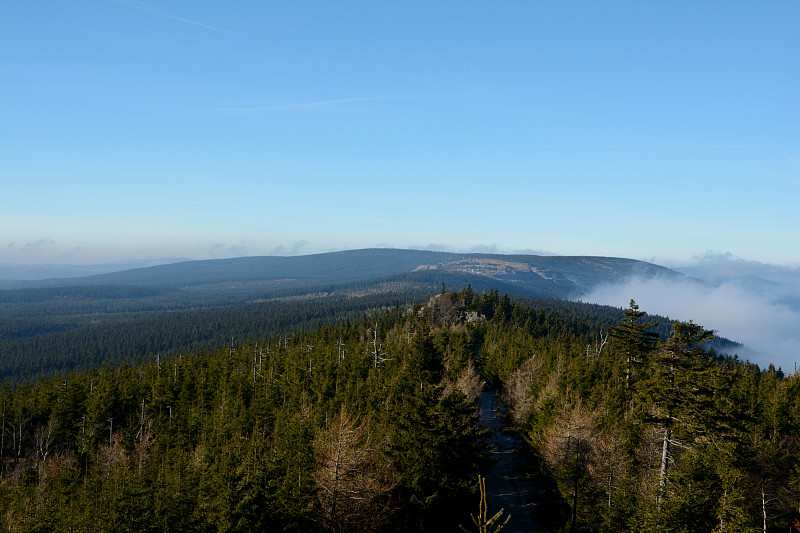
(76, 323)
(370, 425)
(533, 275)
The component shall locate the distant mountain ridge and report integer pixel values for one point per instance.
(551, 276)
(51, 325)
(18, 272)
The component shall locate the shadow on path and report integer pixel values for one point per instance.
(508, 484)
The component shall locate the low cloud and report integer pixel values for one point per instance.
(766, 326)
(494, 249)
(781, 283)
(71, 254)
(432, 247)
(484, 249)
(529, 251)
(295, 248)
(37, 245)
(480, 249)
(726, 264)
(37, 251)
(222, 251)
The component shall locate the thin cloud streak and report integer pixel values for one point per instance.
(48, 177)
(167, 200)
(308, 105)
(654, 146)
(153, 10)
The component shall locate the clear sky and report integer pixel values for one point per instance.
(651, 130)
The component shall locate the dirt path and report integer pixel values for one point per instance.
(507, 487)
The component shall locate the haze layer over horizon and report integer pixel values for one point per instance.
(650, 131)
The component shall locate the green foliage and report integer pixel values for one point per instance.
(57, 325)
(225, 440)
(634, 339)
(680, 440)
(436, 434)
(238, 438)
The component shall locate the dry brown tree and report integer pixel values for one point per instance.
(354, 477)
(468, 382)
(518, 395)
(567, 447)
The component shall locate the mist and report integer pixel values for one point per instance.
(768, 327)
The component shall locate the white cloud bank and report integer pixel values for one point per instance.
(769, 328)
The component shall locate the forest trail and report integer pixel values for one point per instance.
(507, 486)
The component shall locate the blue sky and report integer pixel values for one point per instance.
(652, 130)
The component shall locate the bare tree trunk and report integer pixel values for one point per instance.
(338, 463)
(574, 499)
(354, 480)
(3, 442)
(628, 371)
(662, 477)
(19, 438)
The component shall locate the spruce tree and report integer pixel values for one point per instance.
(633, 339)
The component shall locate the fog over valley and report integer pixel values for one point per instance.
(756, 304)
(367, 267)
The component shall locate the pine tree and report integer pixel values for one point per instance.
(673, 387)
(633, 339)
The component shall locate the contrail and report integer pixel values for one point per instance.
(148, 8)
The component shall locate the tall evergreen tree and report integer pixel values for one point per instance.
(633, 339)
(673, 387)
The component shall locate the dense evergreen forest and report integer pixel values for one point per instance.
(369, 423)
(46, 331)
(55, 325)
(44, 344)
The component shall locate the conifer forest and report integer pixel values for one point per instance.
(369, 422)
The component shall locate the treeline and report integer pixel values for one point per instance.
(645, 434)
(32, 347)
(362, 425)
(369, 423)
(51, 330)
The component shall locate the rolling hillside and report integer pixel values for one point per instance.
(530, 274)
(70, 323)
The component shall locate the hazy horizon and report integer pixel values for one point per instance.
(751, 302)
(666, 133)
(659, 132)
(725, 262)
(709, 258)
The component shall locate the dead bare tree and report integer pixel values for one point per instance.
(608, 463)
(354, 477)
(3, 443)
(44, 437)
(144, 442)
(468, 382)
(378, 355)
(518, 394)
(594, 350)
(567, 447)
